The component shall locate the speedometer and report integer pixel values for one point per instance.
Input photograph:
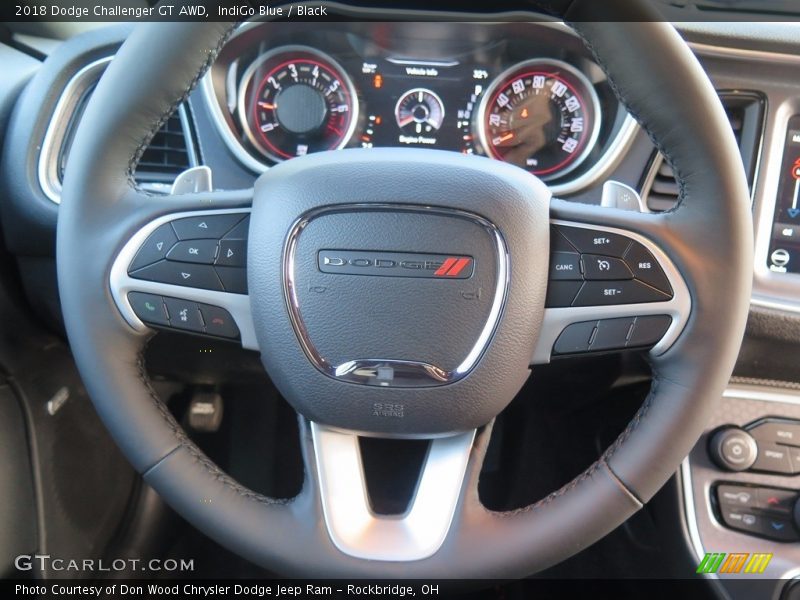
(295, 100)
(542, 115)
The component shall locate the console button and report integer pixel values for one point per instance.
(611, 334)
(232, 253)
(234, 279)
(794, 458)
(733, 449)
(778, 528)
(600, 293)
(777, 432)
(194, 251)
(777, 501)
(561, 293)
(596, 266)
(575, 338)
(737, 496)
(742, 519)
(645, 268)
(183, 274)
(205, 227)
(589, 241)
(148, 307)
(772, 458)
(565, 265)
(184, 314)
(218, 321)
(155, 247)
(647, 331)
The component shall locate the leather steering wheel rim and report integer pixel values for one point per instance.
(708, 237)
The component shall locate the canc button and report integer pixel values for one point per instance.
(565, 265)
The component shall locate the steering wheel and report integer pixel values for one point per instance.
(437, 349)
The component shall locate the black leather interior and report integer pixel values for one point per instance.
(708, 237)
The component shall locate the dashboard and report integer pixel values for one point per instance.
(527, 94)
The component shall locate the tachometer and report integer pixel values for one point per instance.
(542, 115)
(295, 100)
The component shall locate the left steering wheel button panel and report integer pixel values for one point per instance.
(155, 248)
(183, 274)
(149, 308)
(206, 226)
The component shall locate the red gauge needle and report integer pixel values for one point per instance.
(266, 105)
(503, 138)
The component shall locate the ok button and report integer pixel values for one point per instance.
(194, 251)
(565, 265)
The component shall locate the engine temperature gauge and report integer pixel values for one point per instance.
(419, 111)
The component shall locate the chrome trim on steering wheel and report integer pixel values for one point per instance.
(352, 525)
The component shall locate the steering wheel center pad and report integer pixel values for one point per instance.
(420, 272)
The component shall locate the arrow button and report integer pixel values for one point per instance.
(155, 247)
(232, 253)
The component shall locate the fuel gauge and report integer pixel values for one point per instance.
(419, 111)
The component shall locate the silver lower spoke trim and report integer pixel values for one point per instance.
(351, 523)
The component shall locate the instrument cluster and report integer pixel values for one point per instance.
(527, 94)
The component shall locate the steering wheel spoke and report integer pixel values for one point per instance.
(611, 286)
(184, 266)
(356, 529)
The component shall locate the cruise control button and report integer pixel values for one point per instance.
(575, 338)
(234, 279)
(611, 334)
(148, 307)
(589, 241)
(194, 251)
(596, 266)
(777, 432)
(232, 253)
(602, 293)
(565, 265)
(218, 321)
(777, 501)
(558, 243)
(205, 227)
(737, 496)
(561, 293)
(184, 314)
(184, 274)
(772, 459)
(645, 268)
(154, 248)
(647, 331)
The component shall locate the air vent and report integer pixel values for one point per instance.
(745, 112)
(170, 152)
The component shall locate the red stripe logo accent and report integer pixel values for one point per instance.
(452, 266)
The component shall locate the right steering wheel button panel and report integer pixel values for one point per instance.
(614, 269)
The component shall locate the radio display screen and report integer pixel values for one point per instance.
(784, 250)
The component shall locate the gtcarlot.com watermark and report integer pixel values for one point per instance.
(45, 562)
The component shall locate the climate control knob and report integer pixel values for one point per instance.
(733, 449)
